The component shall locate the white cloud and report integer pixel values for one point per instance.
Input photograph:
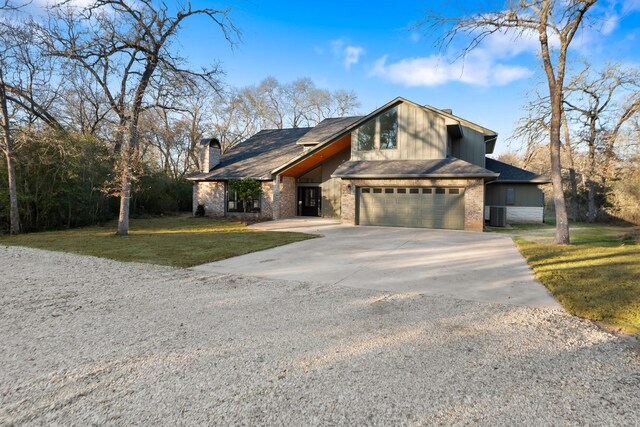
(484, 66)
(610, 24)
(352, 55)
(505, 74)
(435, 70)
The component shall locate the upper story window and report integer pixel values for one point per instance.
(366, 136)
(389, 129)
(381, 132)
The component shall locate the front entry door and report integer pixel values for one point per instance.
(309, 201)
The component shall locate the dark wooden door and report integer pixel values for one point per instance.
(309, 201)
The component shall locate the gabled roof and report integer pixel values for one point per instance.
(512, 174)
(450, 167)
(257, 156)
(490, 136)
(326, 129)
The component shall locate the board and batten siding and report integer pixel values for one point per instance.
(471, 147)
(525, 195)
(422, 135)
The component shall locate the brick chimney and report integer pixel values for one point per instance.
(210, 154)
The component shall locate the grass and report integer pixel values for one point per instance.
(597, 277)
(181, 241)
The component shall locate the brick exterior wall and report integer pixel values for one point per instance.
(287, 197)
(211, 195)
(266, 200)
(474, 205)
(347, 201)
(473, 196)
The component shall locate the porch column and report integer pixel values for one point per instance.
(276, 192)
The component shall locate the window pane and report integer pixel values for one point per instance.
(377, 190)
(454, 191)
(389, 130)
(365, 190)
(388, 190)
(426, 191)
(413, 191)
(366, 136)
(440, 190)
(511, 196)
(402, 190)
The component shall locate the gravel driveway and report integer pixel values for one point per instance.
(87, 340)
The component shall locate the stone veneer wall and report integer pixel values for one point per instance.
(266, 200)
(211, 195)
(287, 197)
(473, 196)
(474, 205)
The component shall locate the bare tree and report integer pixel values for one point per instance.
(6, 46)
(14, 213)
(548, 19)
(345, 103)
(234, 118)
(296, 104)
(574, 211)
(27, 92)
(591, 97)
(123, 44)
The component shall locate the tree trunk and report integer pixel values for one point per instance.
(125, 193)
(555, 83)
(14, 213)
(562, 222)
(573, 184)
(132, 150)
(592, 211)
(592, 187)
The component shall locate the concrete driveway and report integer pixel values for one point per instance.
(481, 267)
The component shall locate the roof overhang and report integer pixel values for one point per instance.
(205, 178)
(490, 143)
(538, 181)
(455, 130)
(450, 167)
(313, 157)
(414, 176)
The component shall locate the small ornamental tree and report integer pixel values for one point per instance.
(247, 189)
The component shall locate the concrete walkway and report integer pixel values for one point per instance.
(481, 267)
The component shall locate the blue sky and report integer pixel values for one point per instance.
(370, 47)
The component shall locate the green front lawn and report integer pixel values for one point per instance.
(181, 241)
(597, 277)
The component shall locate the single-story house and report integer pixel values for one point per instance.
(403, 164)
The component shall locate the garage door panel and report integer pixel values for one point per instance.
(435, 207)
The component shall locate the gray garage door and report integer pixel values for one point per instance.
(430, 207)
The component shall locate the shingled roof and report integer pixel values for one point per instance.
(510, 173)
(450, 167)
(326, 129)
(257, 156)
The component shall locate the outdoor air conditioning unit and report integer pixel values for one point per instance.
(498, 216)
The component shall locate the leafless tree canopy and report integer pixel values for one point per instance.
(555, 24)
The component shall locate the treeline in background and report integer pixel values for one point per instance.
(91, 91)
